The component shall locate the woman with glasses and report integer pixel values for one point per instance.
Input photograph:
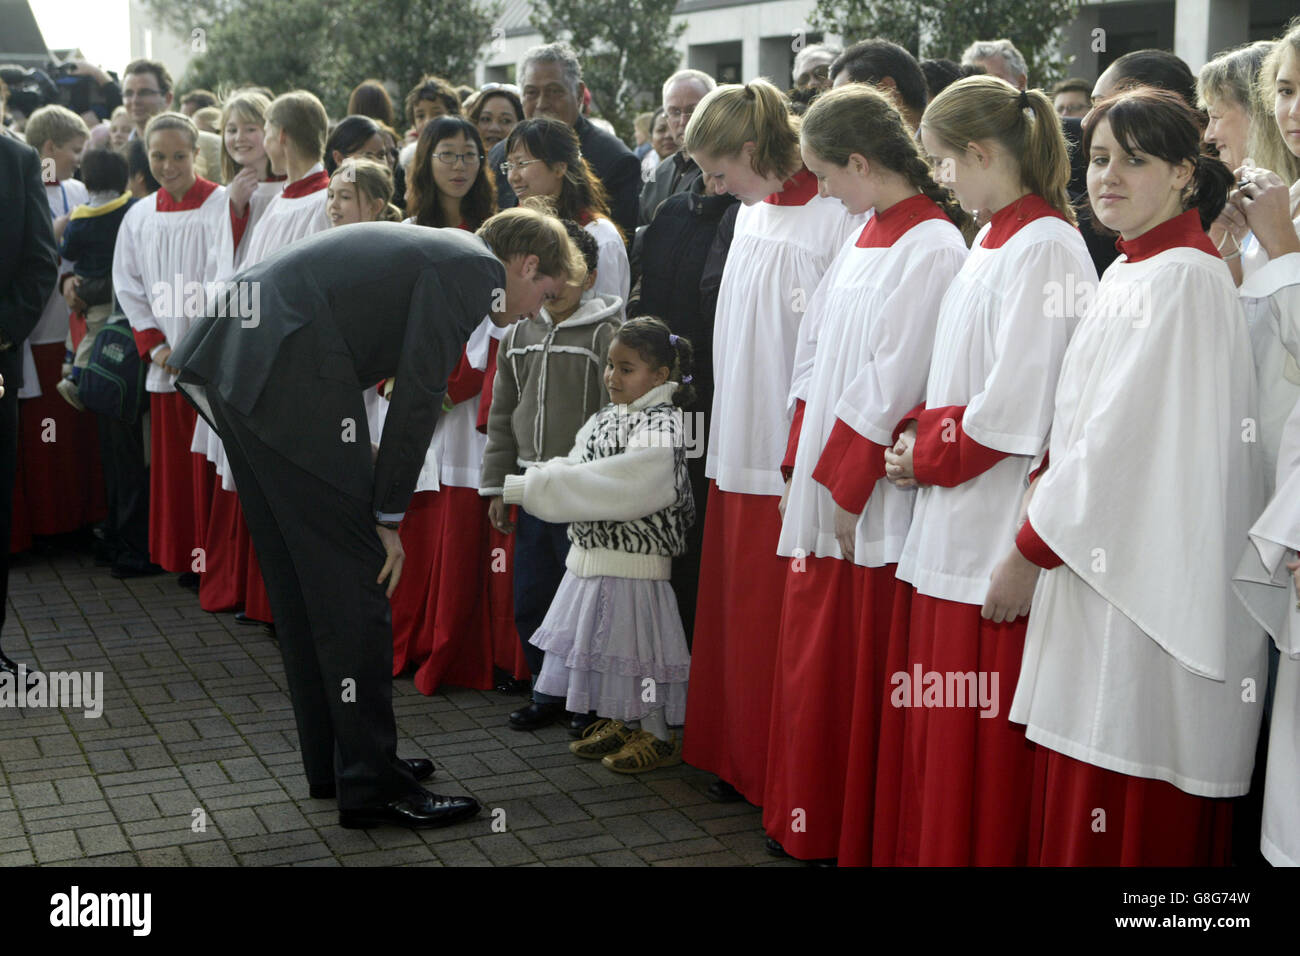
(544, 158)
(448, 616)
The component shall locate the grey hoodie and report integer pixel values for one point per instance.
(550, 379)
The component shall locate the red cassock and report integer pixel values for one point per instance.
(508, 652)
(441, 618)
(179, 483)
(953, 782)
(1149, 823)
(826, 703)
(733, 654)
(452, 613)
(59, 486)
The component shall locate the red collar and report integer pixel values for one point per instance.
(464, 225)
(311, 183)
(194, 197)
(585, 217)
(795, 191)
(1013, 217)
(273, 178)
(886, 228)
(1182, 230)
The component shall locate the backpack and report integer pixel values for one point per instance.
(112, 383)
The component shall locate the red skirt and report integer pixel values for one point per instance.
(1082, 815)
(61, 476)
(833, 617)
(176, 480)
(257, 605)
(962, 795)
(737, 625)
(875, 841)
(441, 621)
(507, 650)
(226, 547)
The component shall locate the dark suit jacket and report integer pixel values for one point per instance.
(674, 175)
(615, 166)
(29, 262)
(339, 311)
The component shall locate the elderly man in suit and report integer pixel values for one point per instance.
(282, 384)
(550, 79)
(29, 266)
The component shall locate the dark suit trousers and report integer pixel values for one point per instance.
(540, 550)
(126, 486)
(10, 369)
(320, 556)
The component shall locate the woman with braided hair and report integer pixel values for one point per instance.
(863, 354)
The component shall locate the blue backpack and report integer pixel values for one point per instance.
(112, 383)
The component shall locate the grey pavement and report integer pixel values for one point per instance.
(194, 759)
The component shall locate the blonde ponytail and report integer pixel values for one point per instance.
(1025, 124)
(757, 112)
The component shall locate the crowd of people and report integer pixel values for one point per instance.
(911, 448)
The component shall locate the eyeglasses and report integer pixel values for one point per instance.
(507, 168)
(449, 158)
(132, 94)
(675, 113)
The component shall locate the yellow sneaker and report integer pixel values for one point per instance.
(644, 752)
(601, 737)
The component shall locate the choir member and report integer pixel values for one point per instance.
(746, 142)
(953, 786)
(1269, 574)
(162, 261)
(59, 477)
(1143, 677)
(870, 330)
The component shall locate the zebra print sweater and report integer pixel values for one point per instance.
(623, 489)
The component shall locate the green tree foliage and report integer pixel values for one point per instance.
(627, 48)
(327, 46)
(943, 28)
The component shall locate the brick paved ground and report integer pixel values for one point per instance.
(197, 717)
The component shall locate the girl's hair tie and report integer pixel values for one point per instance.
(686, 380)
(672, 340)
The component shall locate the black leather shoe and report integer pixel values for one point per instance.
(122, 569)
(774, 848)
(421, 769)
(722, 792)
(242, 618)
(579, 723)
(419, 810)
(536, 715)
(189, 580)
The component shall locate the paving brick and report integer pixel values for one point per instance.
(60, 845)
(393, 857)
(98, 840)
(34, 794)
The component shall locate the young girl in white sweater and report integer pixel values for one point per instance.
(613, 635)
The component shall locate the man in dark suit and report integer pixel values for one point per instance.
(282, 384)
(551, 82)
(29, 266)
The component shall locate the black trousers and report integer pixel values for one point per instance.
(540, 550)
(320, 556)
(10, 368)
(126, 487)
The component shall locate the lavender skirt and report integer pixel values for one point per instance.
(615, 646)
